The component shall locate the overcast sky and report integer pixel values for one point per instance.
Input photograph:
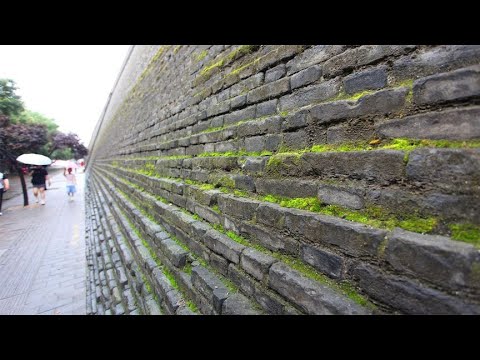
(69, 83)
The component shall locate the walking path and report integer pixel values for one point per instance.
(42, 253)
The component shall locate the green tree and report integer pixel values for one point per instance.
(10, 103)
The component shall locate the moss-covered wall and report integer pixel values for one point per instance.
(297, 179)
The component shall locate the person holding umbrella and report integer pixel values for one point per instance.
(39, 179)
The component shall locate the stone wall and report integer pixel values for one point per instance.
(288, 179)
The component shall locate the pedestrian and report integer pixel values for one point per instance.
(4, 186)
(39, 179)
(71, 183)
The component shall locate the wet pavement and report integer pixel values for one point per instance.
(42, 253)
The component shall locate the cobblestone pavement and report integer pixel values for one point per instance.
(42, 253)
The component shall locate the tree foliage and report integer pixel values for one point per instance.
(10, 103)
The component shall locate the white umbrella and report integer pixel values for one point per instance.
(65, 164)
(34, 159)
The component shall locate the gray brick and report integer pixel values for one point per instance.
(256, 264)
(272, 142)
(297, 140)
(363, 55)
(268, 239)
(238, 101)
(255, 164)
(335, 195)
(236, 116)
(287, 188)
(310, 95)
(237, 304)
(295, 121)
(305, 77)
(223, 245)
(315, 55)
(455, 85)
(205, 282)
(219, 296)
(352, 238)
(275, 73)
(267, 108)
(255, 143)
(324, 261)
(381, 102)
(207, 214)
(366, 80)
(312, 297)
(269, 91)
(440, 260)
(386, 165)
(407, 296)
(455, 170)
(172, 300)
(241, 208)
(244, 182)
(452, 124)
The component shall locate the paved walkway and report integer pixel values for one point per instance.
(42, 253)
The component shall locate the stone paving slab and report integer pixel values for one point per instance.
(42, 253)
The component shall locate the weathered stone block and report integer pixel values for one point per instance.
(272, 142)
(312, 297)
(305, 77)
(296, 140)
(452, 124)
(352, 238)
(237, 304)
(455, 170)
(223, 245)
(236, 116)
(176, 254)
(275, 73)
(238, 207)
(267, 108)
(256, 264)
(205, 281)
(310, 95)
(238, 101)
(437, 259)
(315, 55)
(407, 296)
(295, 121)
(269, 90)
(325, 261)
(335, 195)
(255, 143)
(366, 80)
(287, 188)
(244, 182)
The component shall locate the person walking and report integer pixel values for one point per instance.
(4, 186)
(71, 183)
(39, 179)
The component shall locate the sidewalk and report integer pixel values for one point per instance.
(42, 253)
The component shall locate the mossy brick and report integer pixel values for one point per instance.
(309, 95)
(269, 239)
(176, 254)
(324, 261)
(408, 296)
(161, 283)
(275, 73)
(254, 164)
(223, 245)
(446, 263)
(438, 59)
(305, 77)
(256, 263)
(370, 79)
(207, 214)
(350, 237)
(450, 124)
(314, 298)
(237, 304)
(268, 91)
(314, 55)
(287, 188)
(246, 85)
(241, 208)
(339, 195)
(205, 281)
(378, 103)
(453, 170)
(363, 55)
(267, 108)
(271, 215)
(380, 165)
(172, 301)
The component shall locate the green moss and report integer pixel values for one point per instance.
(404, 83)
(225, 181)
(192, 306)
(213, 129)
(241, 193)
(239, 239)
(283, 113)
(419, 225)
(216, 209)
(171, 278)
(147, 284)
(115, 163)
(201, 55)
(310, 204)
(382, 247)
(187, 268)
(176, 48)
(196, 217)
(209, 68)
(466, 232)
